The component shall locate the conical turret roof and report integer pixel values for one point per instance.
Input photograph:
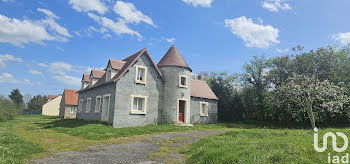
(173, 58)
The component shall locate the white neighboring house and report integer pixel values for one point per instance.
(52, 107)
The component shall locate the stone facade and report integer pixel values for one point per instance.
(196, 118)
(161, 92)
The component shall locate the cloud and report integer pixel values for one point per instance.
(88, 6)
(19, 32)
(48, 13)
(118, 27)
(61, 70)
(253, 35)
(50, 21)
(8, 78)
(59, 48)
(202, 3)
(130, 14)
(276, 5)
(7, 57)
(343, 38)
(43, 65)
(282, 50)
(170, 40)
(34, 72)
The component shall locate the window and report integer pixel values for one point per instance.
(72, 110)
(98, 104)
(203, 108)
(80, 105)
(138, 104)
(183, 81)
(88, 105)
(141, 74)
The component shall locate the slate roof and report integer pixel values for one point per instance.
(199, 88)
(96, 73)
(86, 77)
(173, 58)
(71, 96)
(128, 62)
(116, 64)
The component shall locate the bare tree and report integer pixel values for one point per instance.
(26, 99)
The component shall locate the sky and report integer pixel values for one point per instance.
(46, 46)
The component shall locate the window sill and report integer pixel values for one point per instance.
(140, 82)
(137, 112)
(97, 112)
(204, 115)
(183, 86)
(87, 112)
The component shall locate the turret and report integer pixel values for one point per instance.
(176, 74)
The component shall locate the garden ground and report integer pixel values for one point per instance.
(37, 138)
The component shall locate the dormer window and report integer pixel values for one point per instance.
(91, 80)
(183, 81)
(109, 74)
(141, 74)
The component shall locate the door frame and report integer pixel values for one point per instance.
(185, 110)
(102, 111)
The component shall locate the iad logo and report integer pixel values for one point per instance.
(334, 141)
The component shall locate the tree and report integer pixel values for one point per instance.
(306, 91)
(225, 88)
(36, 102)
(17, 98)
(8, 109)
(26, 98)
(255, 79)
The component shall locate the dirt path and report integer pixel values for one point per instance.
(155, 148)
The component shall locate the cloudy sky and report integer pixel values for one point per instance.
(45, 46)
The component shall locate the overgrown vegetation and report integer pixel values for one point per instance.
(13, 148)
(8, 109)
(304, 86)
(261, 146)
(36, 136)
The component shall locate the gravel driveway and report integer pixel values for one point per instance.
(154, 148)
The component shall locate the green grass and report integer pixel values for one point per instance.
(98, 131)
(262, 146)
(13, 148)
(36, 136)
(29, 137)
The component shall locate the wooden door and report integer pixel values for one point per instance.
(182, 111)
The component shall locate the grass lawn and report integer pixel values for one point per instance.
(259, 145)
(29, 137)
(37, 136)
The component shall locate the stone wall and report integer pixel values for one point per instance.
(126, 87)
(93, 93)
(196, 118)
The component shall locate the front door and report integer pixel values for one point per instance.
(105, 108)
(182, 110)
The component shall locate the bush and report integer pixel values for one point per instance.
(8, 109)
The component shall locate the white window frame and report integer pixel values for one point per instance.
(98, 108)
(201, 110)
(70, 110)
(88, 106)
(80, 105)
(135, 111)
(180, 85)
(144, 75)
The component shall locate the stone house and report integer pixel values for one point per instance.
(52, 106)
(136, 91)
(69, 103)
